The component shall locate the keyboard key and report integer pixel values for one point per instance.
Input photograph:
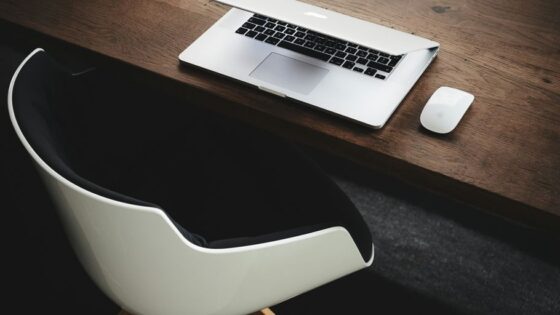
(310, 37)
(291, 26)
(251, 34)
(279, 35)
(257, 21)
(300, 41)
(370, 72)
(351, 50)
(330, 51)
(397, 58)
(330, 43)
(351, 58)
(320, 48)
(280, 28)
(379, 66)
(383, 55)
(272, 20)
(380, 76)
(303, 29)
(336, 61)
(249, 25)
(300, 34)
(348, 65)
(361, 53)
(270, 25)
(360, 70)
(341, 54)
(362, 61)
(304, 51)
(352, 45)
(272, 40)
(373, 51)
(289, 38)
(282, 23)
(372, 57)
(261, 37)
(269, 32)
(260, 29)
(383, 60)
(320, 40)
(309, 44)
(290, 31)
(363, 48)
(392, 63)
(241, 30)
(340, 46)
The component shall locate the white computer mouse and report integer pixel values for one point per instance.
(445, 109)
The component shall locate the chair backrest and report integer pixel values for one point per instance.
(135, 253)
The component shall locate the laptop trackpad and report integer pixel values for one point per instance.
(289, 73)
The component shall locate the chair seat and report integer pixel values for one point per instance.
(224, 183)
(130, 171)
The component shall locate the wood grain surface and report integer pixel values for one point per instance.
(504, 157)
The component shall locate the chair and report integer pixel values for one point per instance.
(147, 259)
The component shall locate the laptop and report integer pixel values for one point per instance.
(349, 67)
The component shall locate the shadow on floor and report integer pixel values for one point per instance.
(363, 292)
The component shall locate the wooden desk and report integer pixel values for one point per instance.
(505, 155)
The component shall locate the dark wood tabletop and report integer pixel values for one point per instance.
(504, 157)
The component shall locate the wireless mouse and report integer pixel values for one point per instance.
(444, 109)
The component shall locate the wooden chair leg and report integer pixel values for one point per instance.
(266, 311)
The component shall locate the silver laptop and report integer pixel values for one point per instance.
(352, 68)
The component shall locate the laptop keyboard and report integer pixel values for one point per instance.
(369, 62)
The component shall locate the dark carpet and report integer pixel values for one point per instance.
(436, 255)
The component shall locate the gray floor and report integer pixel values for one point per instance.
(436, 255)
